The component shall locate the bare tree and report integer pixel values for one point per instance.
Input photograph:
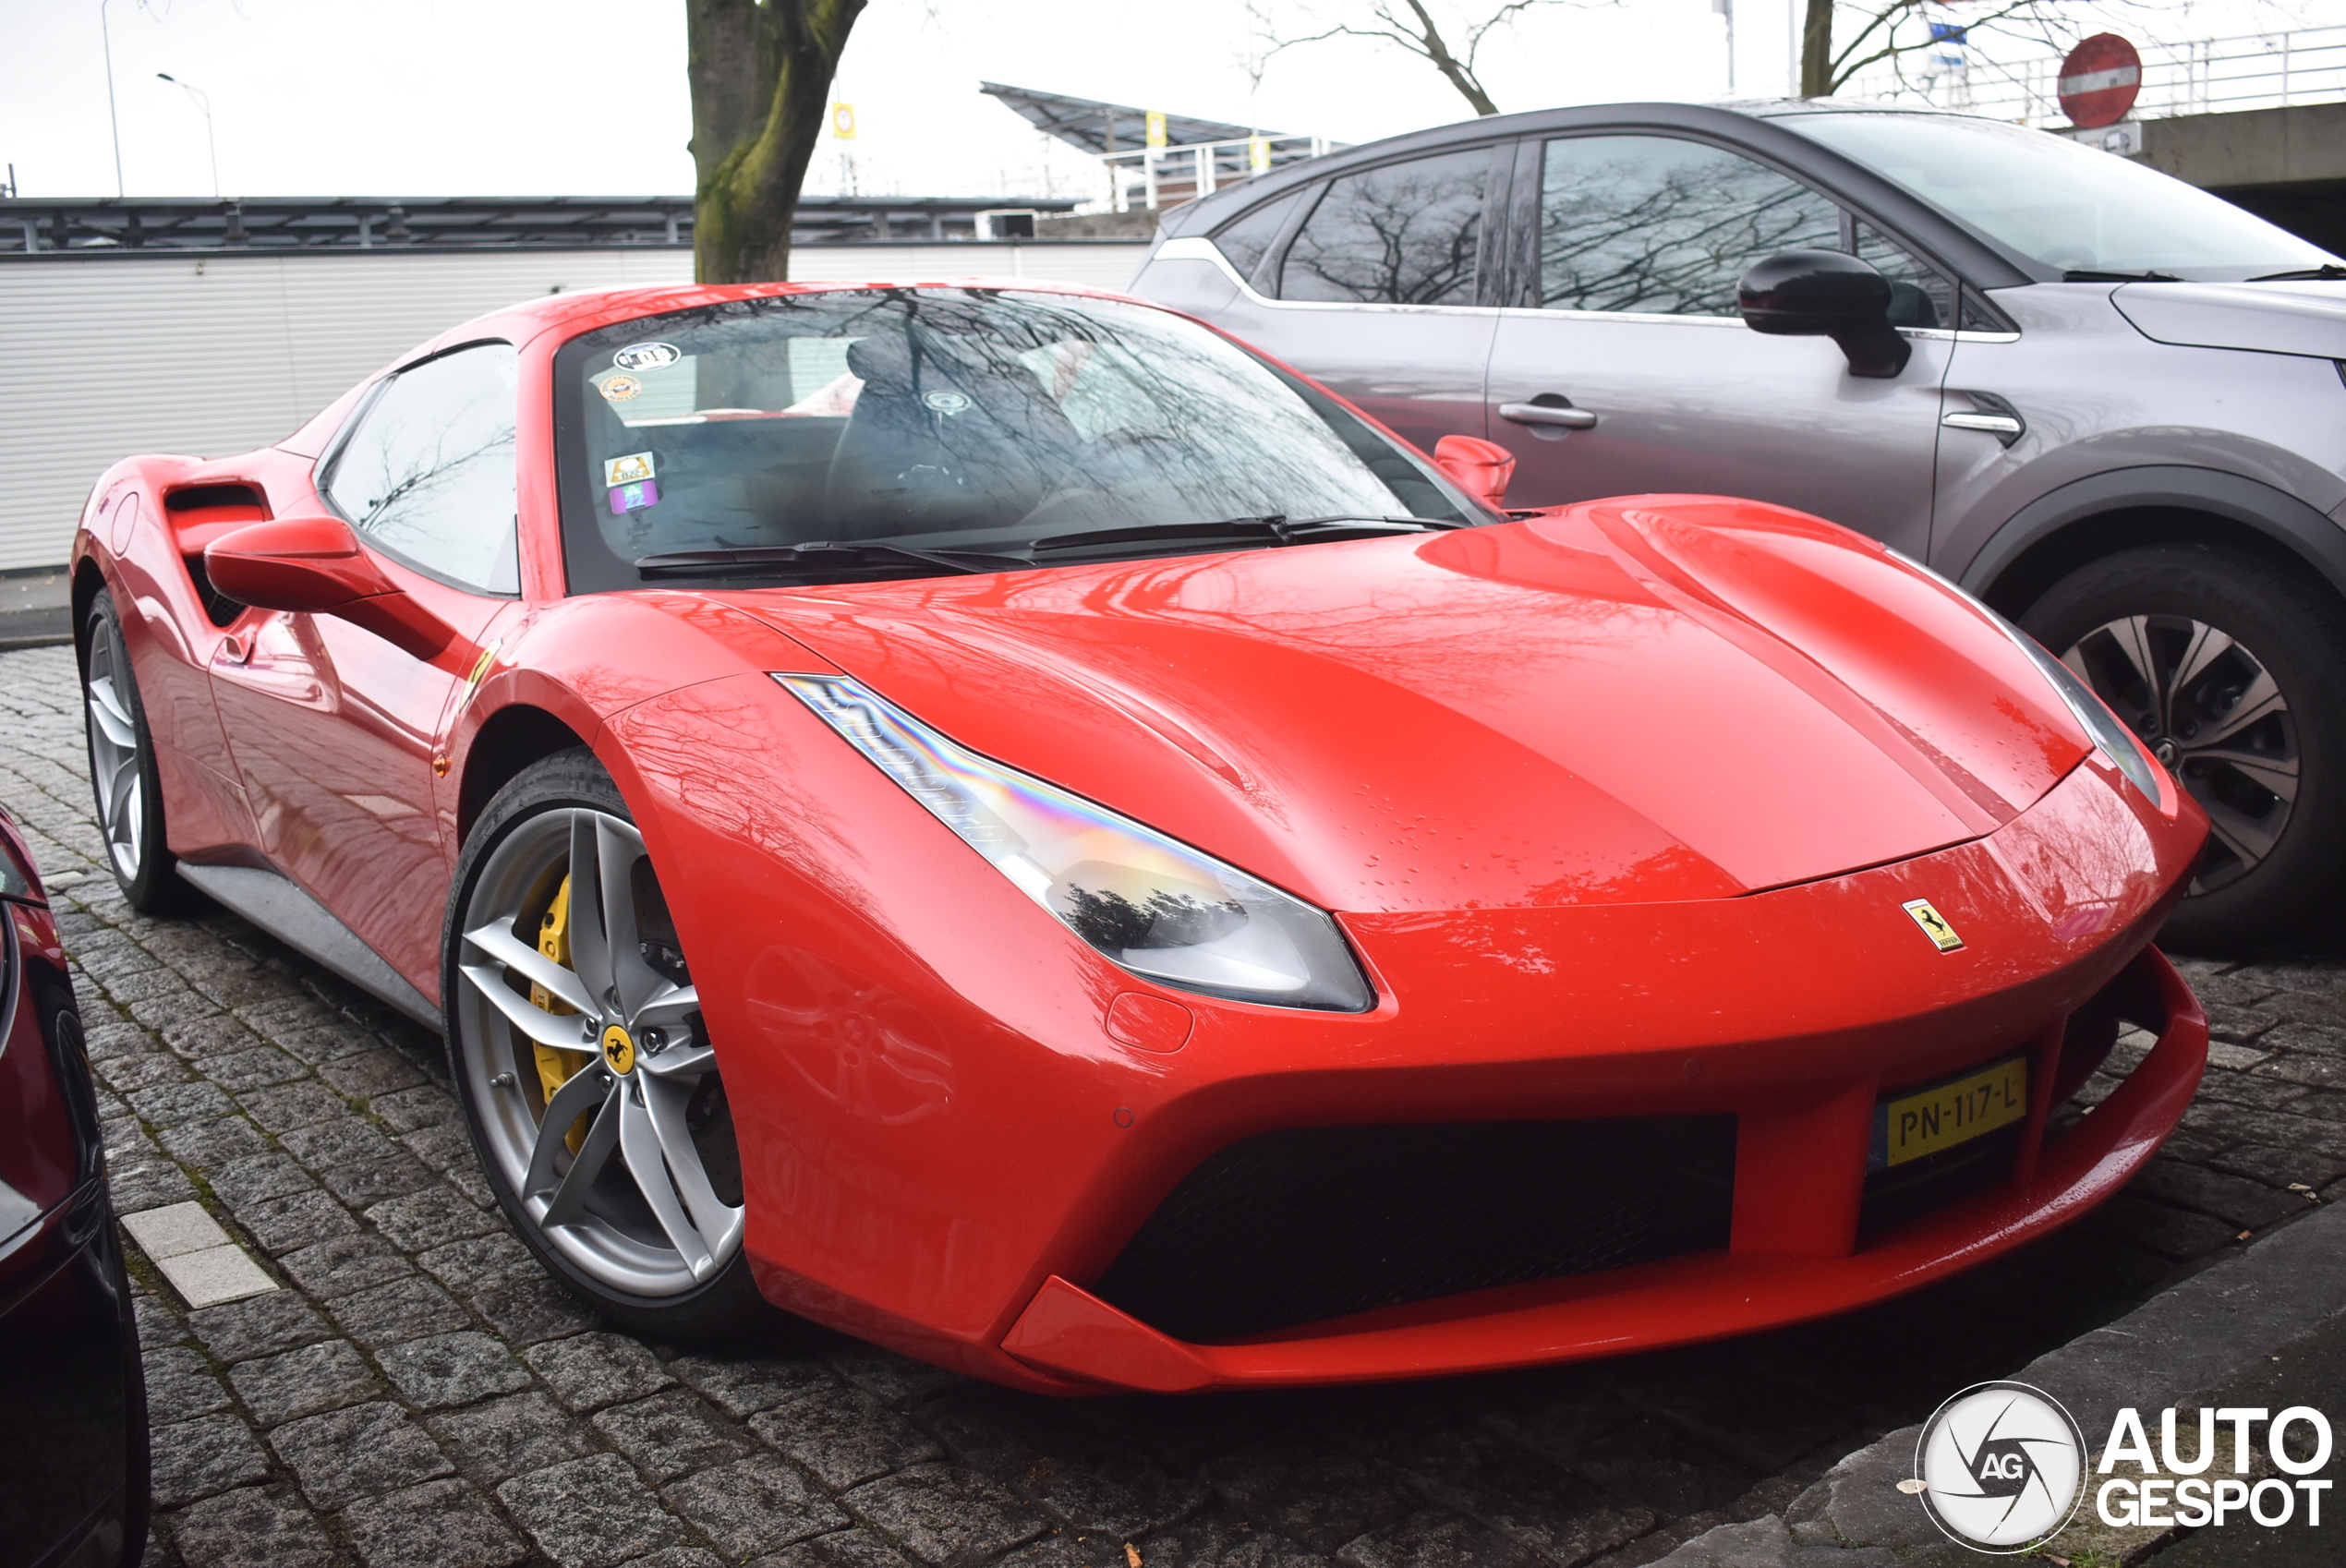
(1411, 25)
(1892, 30)
(761, 76)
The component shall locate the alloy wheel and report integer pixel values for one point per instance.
(597, 1089)
(2208, 709)
(115, 774)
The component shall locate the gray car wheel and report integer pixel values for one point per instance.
(2226, 667)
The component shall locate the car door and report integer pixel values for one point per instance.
(1372, 282)
(333, 729)
(1622, 365)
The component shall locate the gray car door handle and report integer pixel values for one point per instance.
(1540, 414)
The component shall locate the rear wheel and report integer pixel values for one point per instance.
(123, 775)
(2229, 671)
(587, 1073)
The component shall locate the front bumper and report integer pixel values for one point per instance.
(947, 1139)
(1070, 1332)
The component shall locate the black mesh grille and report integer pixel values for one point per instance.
(1291, 1227)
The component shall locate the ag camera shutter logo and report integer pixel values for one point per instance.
(2002, 1466)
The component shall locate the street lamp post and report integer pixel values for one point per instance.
(105, 36)
(203, 101)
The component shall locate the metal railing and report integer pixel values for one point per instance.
(1157, 176)
(2268, 70)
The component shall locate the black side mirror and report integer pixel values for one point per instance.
(1827, 294)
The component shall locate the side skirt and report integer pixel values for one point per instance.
(277, 905)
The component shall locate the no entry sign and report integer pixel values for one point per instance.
(2100, 80)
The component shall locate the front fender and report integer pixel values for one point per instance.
(2273, 513)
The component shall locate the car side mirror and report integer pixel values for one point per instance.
(316, 564)
(1827, 294)
(1479, 467)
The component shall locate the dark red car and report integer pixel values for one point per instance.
(73, 1396)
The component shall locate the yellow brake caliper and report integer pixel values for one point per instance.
(555, 1067)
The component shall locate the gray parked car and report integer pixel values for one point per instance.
(2108, 403)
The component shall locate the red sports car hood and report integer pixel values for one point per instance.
(1642, 699)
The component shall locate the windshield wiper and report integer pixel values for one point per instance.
(2087, 276)
(2326, 269)
(1276, 527)
(764, 561)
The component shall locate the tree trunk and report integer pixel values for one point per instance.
(761, 76)
(1816, 50)
(1455, 71)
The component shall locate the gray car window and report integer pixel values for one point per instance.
(428, 475)
(1919, 296)
(2067, 205)
(1662, 225)
(1405, 233)
(1247, 239)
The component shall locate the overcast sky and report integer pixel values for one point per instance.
(588, 97)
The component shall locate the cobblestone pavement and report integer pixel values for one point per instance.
(420, 1393)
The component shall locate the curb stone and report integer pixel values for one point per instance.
(2193, 1339)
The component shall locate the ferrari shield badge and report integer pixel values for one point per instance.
(1934, 924)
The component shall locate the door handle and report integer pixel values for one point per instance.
(1995, 416)
(1541, 414)
(1994, 424)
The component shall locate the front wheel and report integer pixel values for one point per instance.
(589, 1079)
(2229, 671)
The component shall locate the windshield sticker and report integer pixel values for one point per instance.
(648, 357)
(620, 388)
(634, 498)
(947, 402)
(627, 470)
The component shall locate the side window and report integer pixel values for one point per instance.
(429, 474)
(1661, 226)
(1402, 234)
(1246, 239)
(1918, 295)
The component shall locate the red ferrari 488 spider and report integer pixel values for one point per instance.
(996, 818)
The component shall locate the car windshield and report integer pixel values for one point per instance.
(1001, 428)
(2070, 206)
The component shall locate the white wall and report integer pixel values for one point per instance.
(214, 354)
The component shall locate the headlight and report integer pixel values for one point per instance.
(2117, 742)
(1148, 902)
(2113, 739)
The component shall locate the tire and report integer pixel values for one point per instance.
(561, 1143)
(123, 775)
(2230, 669)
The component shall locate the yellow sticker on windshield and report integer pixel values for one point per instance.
(633, 470)
(620, 388)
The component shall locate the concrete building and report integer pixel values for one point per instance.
(155, 328)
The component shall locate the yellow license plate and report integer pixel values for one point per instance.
(1927, 1121)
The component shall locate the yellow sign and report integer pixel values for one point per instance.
(1934, 924)
(618, 1050)
(1931, 1119)
(1156, 127)
(843, 121)
(1258, 155)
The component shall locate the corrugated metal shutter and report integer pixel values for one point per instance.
(222, 353)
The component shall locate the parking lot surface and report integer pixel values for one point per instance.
(419, 1393)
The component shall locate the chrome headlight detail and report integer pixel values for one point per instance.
(1150, 903)
(2117, 742)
